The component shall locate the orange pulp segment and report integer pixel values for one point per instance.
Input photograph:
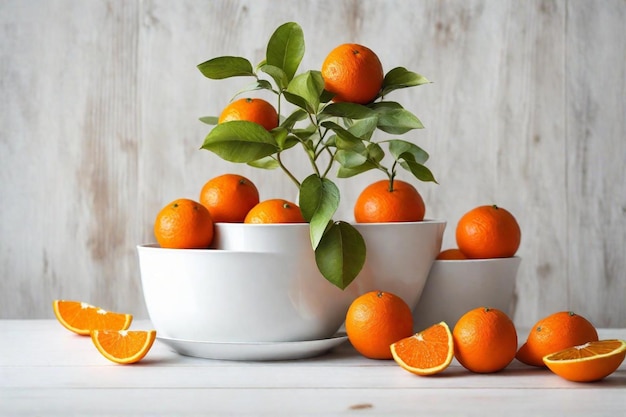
(80, 317)
(123, 346)
(590, 361)
(427, 352)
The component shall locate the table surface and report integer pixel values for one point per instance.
(46, 371)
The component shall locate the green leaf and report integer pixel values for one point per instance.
(340, 255)
(401, 78)
(226, 67)
(348, 110)
(264, 163)
(398, 147)
(350, 159)
(345, 172)
(319, 199)
(308, 86)
(210, 120)
(398, 121)
(418, 170)
(364, 128)
(240, 141)
(375, 152)
(257, 85)
(345, 140)
(285, 48)
(295, 117)
(279, 76)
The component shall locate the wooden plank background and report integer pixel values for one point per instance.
(99, 129)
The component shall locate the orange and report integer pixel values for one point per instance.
(184, 224)
(252, 110)
(229, 197)
(427, 352)
(485, 340)
(275, 211)
(451, 254)
(377, 203)
(80, 317)
(375, 320)
(353, 73)
(488, 232)
(588, 362)
(123, 346)
(555, 332)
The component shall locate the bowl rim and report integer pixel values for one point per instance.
(353, 223)
(516, 258)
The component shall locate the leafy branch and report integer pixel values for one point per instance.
(329, 133)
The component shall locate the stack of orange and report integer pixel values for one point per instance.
(485, 232)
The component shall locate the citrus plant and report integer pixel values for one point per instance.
(329, 132)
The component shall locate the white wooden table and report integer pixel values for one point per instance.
(47, 371)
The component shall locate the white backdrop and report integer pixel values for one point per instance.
(99, 129)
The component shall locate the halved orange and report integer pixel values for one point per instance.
(81, 318)
(427, 352)
(588, 362)
(123, 346)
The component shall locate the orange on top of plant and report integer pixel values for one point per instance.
(451, 254)
(123, 346)
(184, 224)
(485, 340)
(588, 362)
(353, 73)
(81, 318)
(275, 211)
(229, 197)
(427, 352)
(375, 320)
(553, 333)
(488, 232)
(377, 203)
(252, 110)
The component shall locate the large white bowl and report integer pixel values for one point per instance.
(399, 255)
(260, 283)
(231, 296)
(456, 286)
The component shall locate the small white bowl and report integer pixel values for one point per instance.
(214, 295)
(456, 286)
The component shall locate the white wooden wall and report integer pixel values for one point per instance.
(99, 129)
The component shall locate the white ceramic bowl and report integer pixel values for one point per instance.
(260, 283)
(456, 286)
(231, 296)
(399, 255)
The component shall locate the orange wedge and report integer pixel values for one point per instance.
(123, 346)
(427, 352)
(588, 362)
(81, 318)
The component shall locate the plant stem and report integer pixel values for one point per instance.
(286, 171)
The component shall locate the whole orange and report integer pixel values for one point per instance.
(184, 224)
(553, 333)
(252, 110)
(377, 203)
(485, 340)
(229, 197)
(275, 211)
(488, 232)
(353, 73)
(375, 320)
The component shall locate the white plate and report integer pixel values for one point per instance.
(259, 351)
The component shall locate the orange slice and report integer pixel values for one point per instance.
(81, 318)
(427, 352)
(591, 361)
(123, 346)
